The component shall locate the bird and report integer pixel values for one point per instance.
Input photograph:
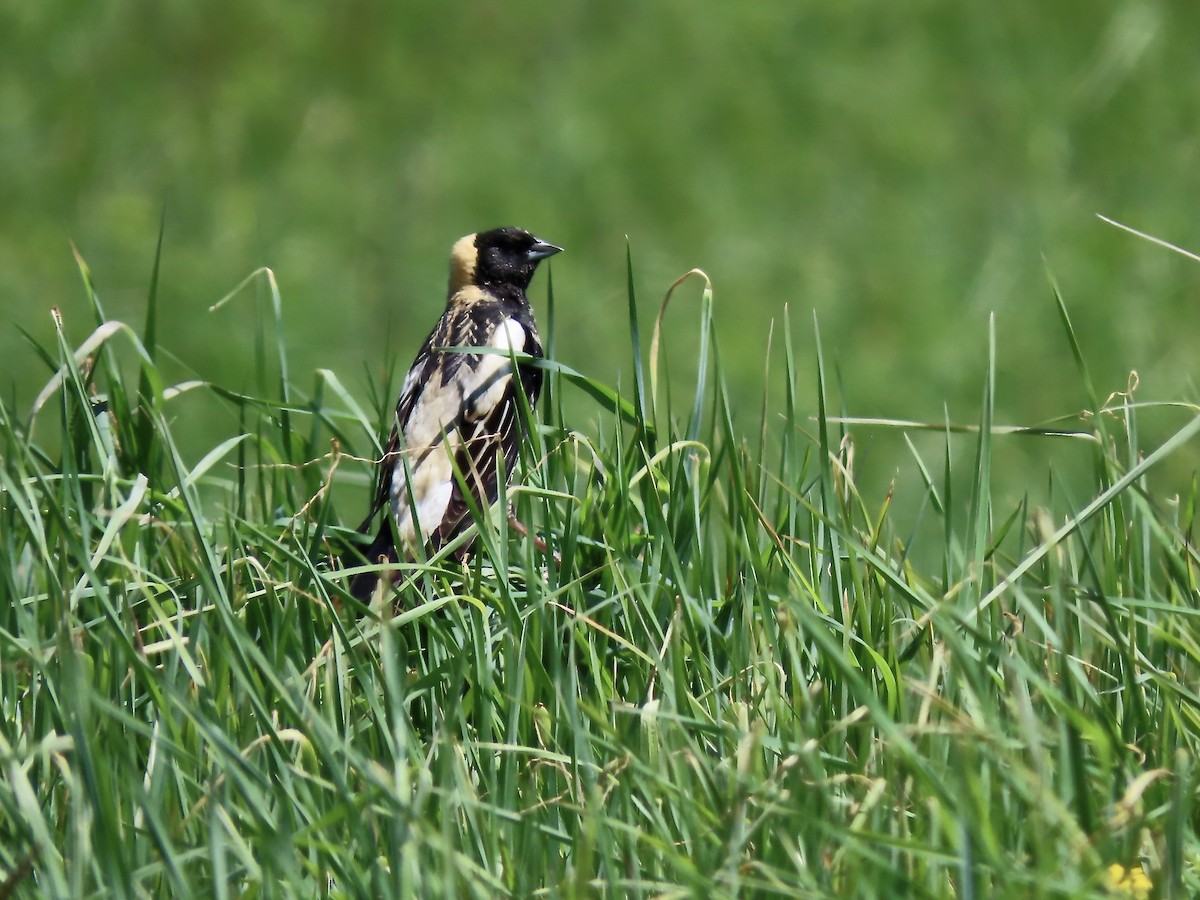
(459, 410)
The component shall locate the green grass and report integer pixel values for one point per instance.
(740, 677)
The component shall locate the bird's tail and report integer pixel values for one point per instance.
(382, 549)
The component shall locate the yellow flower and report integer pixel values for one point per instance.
(1129, 882)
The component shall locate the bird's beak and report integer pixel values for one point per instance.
(540, 250)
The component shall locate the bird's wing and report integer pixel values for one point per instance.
(490, 422)
(455, 409)
(418, 380)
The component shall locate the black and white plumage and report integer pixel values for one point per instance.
(459, 409)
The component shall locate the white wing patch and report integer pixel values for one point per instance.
(490, 378)
(432, 436)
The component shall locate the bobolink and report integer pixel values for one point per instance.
(457, 409)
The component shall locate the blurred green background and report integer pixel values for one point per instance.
(902, 169)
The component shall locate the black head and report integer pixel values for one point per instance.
(500, 256)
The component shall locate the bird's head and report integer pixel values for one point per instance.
(500, 256)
